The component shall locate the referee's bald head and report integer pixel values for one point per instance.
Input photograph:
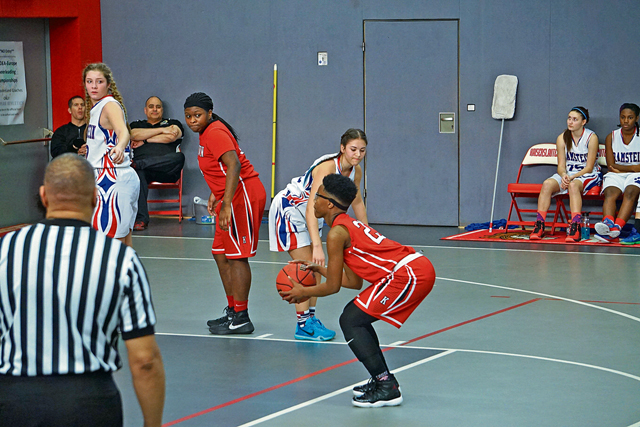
(69, 184)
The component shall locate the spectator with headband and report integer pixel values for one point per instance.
(578, 172)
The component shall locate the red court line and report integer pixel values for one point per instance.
(329, 368)
(258, 393)
(472, 320)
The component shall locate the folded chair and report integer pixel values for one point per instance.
(538, 154)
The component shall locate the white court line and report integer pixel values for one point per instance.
(337, 392)
(414, 347)
(263, 336)
(523, 250)
(395, 344)
(206, 260)
(586, 304)
(428, 359)
(432, 247)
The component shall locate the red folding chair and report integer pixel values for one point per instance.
(538, 154)
(168, 186)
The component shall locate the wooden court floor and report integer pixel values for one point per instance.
(512, 335)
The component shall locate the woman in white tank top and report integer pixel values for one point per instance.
(293, 226)
(623, 162)
(578, 172)
(107, 149)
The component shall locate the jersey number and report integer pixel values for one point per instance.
(378, 238)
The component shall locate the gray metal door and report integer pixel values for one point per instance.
(22, 165)
(411, 78)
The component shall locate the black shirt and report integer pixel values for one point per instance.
(67, 139)
(149, 149)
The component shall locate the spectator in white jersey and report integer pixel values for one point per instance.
(623, 161)
(578, 172)
(66, 291)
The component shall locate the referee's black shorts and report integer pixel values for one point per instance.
(60, 401)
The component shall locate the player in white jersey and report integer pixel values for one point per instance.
(293, 226)
(109, 153)
(623, 161)
(578, 172)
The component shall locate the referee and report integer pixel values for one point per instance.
(66, 291)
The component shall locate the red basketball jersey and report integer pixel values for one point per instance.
(371, 256)
(214, 142)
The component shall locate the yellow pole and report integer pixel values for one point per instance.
(273, 142)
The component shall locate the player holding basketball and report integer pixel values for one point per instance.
(400, 279)
(108, 151)
(623, 161)
(578, 172)
(238, 199)
(294, 228)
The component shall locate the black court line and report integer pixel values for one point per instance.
(305, 356)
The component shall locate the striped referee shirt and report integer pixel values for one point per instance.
(66, 291)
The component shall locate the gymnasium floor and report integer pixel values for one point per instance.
(512, 335)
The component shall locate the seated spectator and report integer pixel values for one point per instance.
(578, 172)
(69, 138)
(623, 161)
(154, 142)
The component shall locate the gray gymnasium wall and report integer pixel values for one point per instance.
(22, 165)
(564, 53)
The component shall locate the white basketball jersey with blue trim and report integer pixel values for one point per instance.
(100, 141)
(625, 154)
(299, 188)
(577, 157)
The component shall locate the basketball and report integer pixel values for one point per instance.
(304, 277)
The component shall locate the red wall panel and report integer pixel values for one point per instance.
(75, 40)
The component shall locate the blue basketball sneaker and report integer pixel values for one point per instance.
(313, 330)
(632, 239)
(322, 331)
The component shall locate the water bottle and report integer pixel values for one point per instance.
(585, 233)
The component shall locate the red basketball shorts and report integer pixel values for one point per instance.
(394, 297)
(241, 240)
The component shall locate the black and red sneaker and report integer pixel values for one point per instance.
(538, 231)
(383, 393)
(574, 233)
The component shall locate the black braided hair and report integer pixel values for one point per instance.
(636, 111)
(204, 101)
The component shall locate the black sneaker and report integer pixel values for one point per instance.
(359, 390)
(538, 231)
(384, 393)
(240, 324)
(574, 232)
(228, 315)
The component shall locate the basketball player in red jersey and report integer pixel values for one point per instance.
(400, 279)
(237, 199)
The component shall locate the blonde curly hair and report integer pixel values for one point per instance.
(113, 89)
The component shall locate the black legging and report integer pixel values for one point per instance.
(362, 338)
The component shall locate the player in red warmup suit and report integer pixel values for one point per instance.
(400, 280)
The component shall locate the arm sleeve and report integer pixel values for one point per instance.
(136, 312)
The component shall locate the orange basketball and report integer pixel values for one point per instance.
(304, 277)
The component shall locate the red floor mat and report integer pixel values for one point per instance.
(557, 238)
